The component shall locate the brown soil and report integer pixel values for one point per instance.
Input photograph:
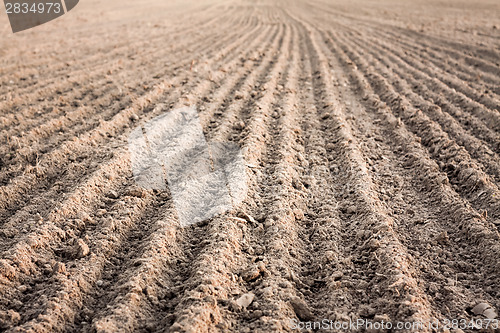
(371, 132)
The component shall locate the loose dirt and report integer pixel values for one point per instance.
(371, 137)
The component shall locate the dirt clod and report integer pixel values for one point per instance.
(254, 272)
(136, 192)
(299, 214)
(301, 309)
(23, 288)
(240, 125)
(81, 249)
(9, 318)
(59, 268)
(484, 309)
(245, 300)
(113, 194)
(442, 238)
(101, 212)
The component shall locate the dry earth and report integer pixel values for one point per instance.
(371, 133)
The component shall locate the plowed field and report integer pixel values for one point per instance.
(371, 137)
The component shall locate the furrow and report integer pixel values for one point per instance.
(35, 174)
(154, 258)
(99, 248)
(435, 50)
(221, 259)
(460, 51)
(97, 61)
(177, 40)
(106, 72)
(387, 257)
(466, 220)
(28, 151)
(477, 127)
(448, 64)
(470, 181)
(487, 158)
(418, 222)
(476, 103)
